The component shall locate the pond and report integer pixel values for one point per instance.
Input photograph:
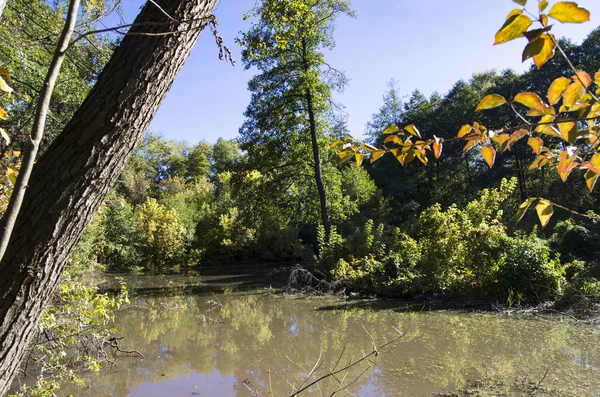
(257, 343)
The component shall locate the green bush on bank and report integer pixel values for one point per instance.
(456, 251)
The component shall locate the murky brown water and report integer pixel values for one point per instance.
(193, 346)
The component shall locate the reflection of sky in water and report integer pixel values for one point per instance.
(275, 339)
(200, 385)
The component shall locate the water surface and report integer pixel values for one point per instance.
(239, 343)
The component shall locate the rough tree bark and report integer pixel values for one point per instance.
(72, 178)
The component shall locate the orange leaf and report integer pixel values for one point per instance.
(437, 149)
(470, 144)
(489, 154)
(536, 144)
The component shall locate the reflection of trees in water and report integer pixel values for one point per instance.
(441, 351)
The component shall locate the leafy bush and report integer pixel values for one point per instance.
(527, 266)
(575, 241)
(164, 233)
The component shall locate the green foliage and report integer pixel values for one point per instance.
(527, 266)
(72, 338)
(163, 231)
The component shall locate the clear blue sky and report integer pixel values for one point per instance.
(426, 45)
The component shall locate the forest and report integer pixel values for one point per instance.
(482, 196)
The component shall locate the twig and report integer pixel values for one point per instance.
(537, 385)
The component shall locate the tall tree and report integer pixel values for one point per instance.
(74, 175)
(286, 119)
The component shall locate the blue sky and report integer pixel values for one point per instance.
(426, 45)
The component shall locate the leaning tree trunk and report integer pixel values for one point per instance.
(71, 179)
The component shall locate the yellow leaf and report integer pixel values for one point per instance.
(594, 164)
(573, 94)
(523, 208)
(520, 2)
(489, 154)
(515, 26)
(490, 102)
(12, 175)
(376, 155)
(4, 72)
(536, 144)
(568, 11)
(464, 130)
(540, 49)
(392, 129)
(3, 114)
(502, 140)
(336, 144)
(359, 159)
(421, 156)
(568, 131)
(367, 147)
(5, 87)
(343, 157)
(531, 100)
(394, 139)
(411, 129)
(557, 88)
(544, 20)
(543, 4)
(545, 211)
(590, 179)
(5, 136)
(516, 136)
(470, 144)
(544, 123)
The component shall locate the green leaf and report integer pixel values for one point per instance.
(569, 12)
(520, 2)
(545, 210)
(489, 102)
(515, 26)
(543, 5)
(523, 208)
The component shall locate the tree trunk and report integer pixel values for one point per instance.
(315, 149)
(2, 6)
(72, 178)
